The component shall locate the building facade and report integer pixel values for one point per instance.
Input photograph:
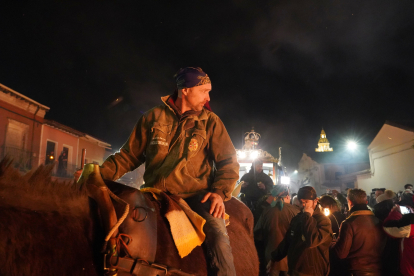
(62, 145)
(328, 171)
(31, 140)
(21, 120)
(391, 157)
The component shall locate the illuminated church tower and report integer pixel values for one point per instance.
(323, 144)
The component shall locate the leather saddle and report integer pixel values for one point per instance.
(126, 251)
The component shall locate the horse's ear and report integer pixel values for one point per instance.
(5, 164)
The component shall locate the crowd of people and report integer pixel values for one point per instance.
(348, 233)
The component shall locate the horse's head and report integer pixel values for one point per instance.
(46, 227)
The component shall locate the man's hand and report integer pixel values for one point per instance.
(310, 206)
(77, 174)
(244, 184)
(261, 185)
(217, 205)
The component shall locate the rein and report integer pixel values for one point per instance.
(120, 221)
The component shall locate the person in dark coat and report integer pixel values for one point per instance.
(262, 204)
(334, 214)
(307, 241)
(383, 207)
(62, 164)
(381, 210)
(406, 198)
(361, 240)
(272, 226)
(337, 266)
(256, 184)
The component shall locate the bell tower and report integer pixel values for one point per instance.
(323, 144)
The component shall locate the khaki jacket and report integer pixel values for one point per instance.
(181, 157)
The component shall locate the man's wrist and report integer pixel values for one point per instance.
(220, 193)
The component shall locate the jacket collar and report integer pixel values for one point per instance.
(199, 117)
(358, 207)
(362, 213)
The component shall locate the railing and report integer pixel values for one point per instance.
(64, 170)
(22, 159)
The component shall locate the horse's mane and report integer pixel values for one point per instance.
(46, 227)
(36, 190)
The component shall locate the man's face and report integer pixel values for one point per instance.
(286, 199)
(350, 205)
(309, 203)
(378, 193)
(410, 187)
(258, 168)
(196, 97)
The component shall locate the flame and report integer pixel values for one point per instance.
(326, 210)
(51, 157)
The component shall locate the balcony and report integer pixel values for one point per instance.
(24, 161)
(64, 170)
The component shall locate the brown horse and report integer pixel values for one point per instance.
(49, 228)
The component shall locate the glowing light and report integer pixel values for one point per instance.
(254, 154)
(352, 145)
(296, 171)
(285, 180)
(51, 157)
(326, 211)
(242, 154)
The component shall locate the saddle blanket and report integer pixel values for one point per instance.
(186, 225)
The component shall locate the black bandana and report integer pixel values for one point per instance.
(189, 77)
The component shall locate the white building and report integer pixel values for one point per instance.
(391, 157)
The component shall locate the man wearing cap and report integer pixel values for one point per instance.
(272, 227)
(187, 152)
(307, 241)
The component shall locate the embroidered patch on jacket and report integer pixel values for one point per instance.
(193, 145)
(157, 142)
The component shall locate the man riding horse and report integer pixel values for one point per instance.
(187, 152)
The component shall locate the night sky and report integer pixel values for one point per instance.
(288, 68)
